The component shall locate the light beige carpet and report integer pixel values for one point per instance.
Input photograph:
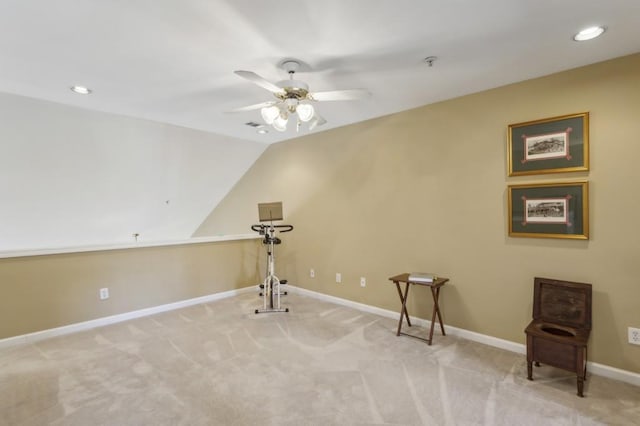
(320, 364)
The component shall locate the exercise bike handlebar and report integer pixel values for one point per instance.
(261, 228)
(284, 228)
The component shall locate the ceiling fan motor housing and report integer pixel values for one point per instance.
(295, 89)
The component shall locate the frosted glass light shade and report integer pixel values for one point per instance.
(305, 112)
(270, 113)
(280, 123)
(314, 123)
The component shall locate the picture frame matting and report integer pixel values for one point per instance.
(551, 145)
(549, 210)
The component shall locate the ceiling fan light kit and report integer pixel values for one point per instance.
(293, 99)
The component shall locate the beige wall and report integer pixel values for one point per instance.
(426, 190)
(42, 292)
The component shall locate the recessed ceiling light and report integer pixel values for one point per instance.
(262, 131)
(589, 33)
(81, 90)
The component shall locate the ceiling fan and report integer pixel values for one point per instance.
(293, 98)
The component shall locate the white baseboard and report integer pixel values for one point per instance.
(113, 319)
(593, 367)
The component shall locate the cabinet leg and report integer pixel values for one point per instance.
(529, 370)
(580, 386)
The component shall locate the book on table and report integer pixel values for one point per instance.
(422, 277)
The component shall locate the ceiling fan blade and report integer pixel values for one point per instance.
(256, 79)
(254, 106)
(339, 95)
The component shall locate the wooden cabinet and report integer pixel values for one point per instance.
(560, 329)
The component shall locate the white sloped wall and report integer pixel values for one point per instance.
(75, 177)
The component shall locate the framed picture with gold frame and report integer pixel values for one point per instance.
(549, 210)
(552, 145)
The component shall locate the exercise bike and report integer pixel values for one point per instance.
(271, 284)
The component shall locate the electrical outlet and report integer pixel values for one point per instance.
(634, 336)
(363, 282)
(104, 293)
(312, 273)
(338, 277)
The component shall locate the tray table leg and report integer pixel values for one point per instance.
(403, 312)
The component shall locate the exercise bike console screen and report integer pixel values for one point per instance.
(268, 212)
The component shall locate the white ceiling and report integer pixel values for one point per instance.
(172, 61)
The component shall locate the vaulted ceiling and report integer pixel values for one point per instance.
(173, 61)
(152, 150)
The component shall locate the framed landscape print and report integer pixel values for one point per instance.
(549, 210)
(552, 145)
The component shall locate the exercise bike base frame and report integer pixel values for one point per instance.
(266, 311)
